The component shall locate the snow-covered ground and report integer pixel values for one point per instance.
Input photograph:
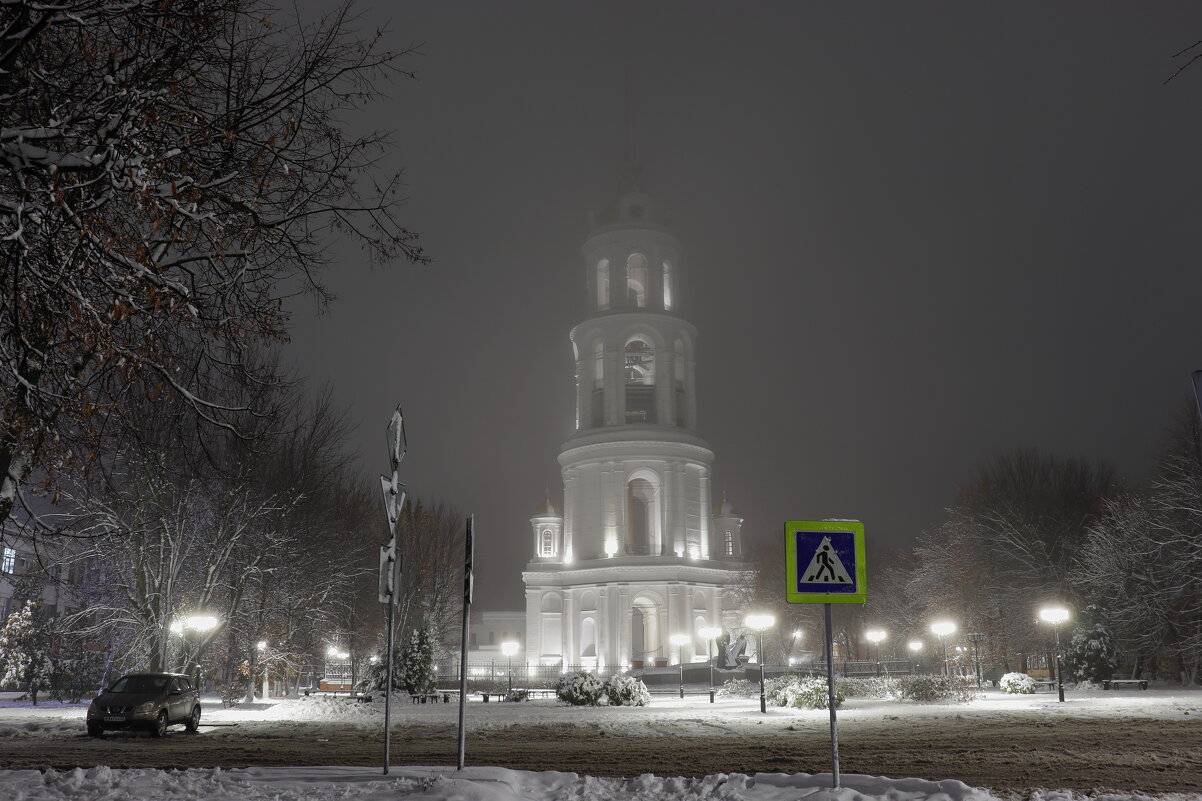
(667, 716)
(693, 714)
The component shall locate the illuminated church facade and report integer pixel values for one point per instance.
(639, 553)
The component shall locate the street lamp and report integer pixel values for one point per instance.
(710, 633)
(943, 629)
(509, 648)
(198, 623)
(875, 636)
(975, 638)
(915, 646)
(758, 623)
(1056, 615)
(679, 641)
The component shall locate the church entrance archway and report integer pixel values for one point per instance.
(645, 636)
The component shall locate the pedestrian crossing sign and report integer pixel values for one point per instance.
(824, 562)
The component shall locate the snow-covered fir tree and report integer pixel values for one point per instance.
(25, 652)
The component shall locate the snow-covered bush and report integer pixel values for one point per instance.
(76, 673)
(623, 690)
(517, 695)
(867, 687)
(1017, 683)
(737, 688)
(580, 689)
(934, 688)
(804, 692)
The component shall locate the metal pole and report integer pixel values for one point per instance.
(388, 683)
(510, 667)
(467, 603)
(680, 662)
(760, 656)
(976, 658)
(709, 652)
(1059, 667)
(830, 695)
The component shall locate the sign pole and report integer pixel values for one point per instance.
(388, 687)
(824, 564)
(830, 695)
(390, 558)
(467, 605)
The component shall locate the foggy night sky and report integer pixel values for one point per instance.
(915, 235)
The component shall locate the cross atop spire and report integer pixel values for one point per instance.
(631, 169)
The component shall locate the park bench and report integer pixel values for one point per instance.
(421, 698)
(1045, 684)
(1119, 684)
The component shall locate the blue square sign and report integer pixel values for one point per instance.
(825, 561)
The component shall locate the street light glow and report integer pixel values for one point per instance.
(1053, 614)
(943, 628)
(509, 647)
(759, 622)
(874, 636)
(915, 645)
(261, 645)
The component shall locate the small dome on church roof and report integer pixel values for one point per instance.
(546, 509)
(726, 508)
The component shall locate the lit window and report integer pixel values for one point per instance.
(603, 284)
(9, 563)
(728, 543)
(640, 362)
(667, 285)
(636, 279)
(548, 546)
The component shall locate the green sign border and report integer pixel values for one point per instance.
(856, 528)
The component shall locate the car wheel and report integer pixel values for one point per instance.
(160, 724)
(193, 720)
(95, 730)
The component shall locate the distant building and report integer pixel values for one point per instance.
(638, 554)
(20, 559)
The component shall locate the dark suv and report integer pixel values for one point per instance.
(146, 700)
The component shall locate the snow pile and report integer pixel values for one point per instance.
(471, 784)
(325, 708)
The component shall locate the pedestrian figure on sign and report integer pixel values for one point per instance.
(824, 560)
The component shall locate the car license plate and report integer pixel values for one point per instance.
(114, 718)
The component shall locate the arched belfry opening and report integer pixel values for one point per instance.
(639, 365)
(636, 280)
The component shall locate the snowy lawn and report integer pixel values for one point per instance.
(693, 715)
(476, 784)
(53, 728)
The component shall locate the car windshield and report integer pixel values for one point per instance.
(140, 684)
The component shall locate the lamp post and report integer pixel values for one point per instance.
(201, 624)
(261, 647)
(875, 636)
(1056, 615)
(509, 648)
(915, 646)
(333, 652)
(758, 623)
(975, 638)
(943, 629)
(710, 633)
(679, 641)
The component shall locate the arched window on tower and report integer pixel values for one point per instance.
(728, 543)
(603, 284)
(642, 515)
(678, 391)
(667, 285)
(636, 279)
(588, 638)
(547, 543)
(639, 364)
(598, 399)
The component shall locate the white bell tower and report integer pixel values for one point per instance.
(638, 559)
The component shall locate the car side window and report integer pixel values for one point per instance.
(173, 686)
(185, 685)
